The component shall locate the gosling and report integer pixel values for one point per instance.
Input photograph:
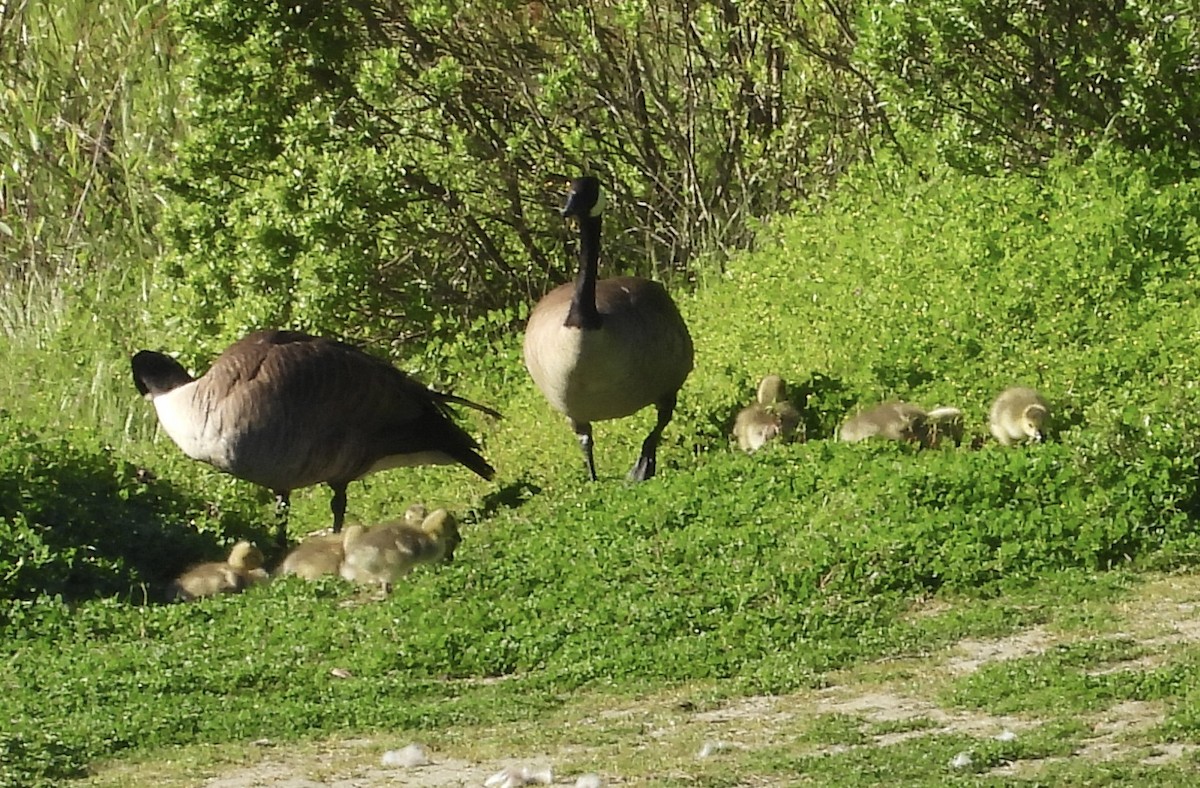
(1018, 415)
(240, 571)
(317, 556)
(385, 553)
(322, 555)
(769, 417)
(903, 421)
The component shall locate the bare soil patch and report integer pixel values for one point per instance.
(677, 737)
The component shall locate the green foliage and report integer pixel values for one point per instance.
(37, 758)
(77, 523)
(1076, 678)
(87, 108)
(386, 172)
(943, 289)
(1001, 85)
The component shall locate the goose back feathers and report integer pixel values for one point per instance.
(287, 410)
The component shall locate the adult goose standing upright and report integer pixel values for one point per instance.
(606, 349)
(287, 410)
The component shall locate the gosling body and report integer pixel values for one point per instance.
(321, 555)
(385, 553)
(769, 417)
(242, 569)
(315, 557)
(1018, 415)
(901, 421)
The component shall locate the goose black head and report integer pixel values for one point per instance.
(157, 373)
(585, 198)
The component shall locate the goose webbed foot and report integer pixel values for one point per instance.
(282, 505)
(643, 469)
(583, 431)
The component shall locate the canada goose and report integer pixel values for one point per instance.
(387, 552)
(1018, 415)
(288, 410)
(770, 416)
(242, 569)
(901, 421)
(606, 349)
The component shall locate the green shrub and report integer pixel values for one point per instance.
(77, 523)
(1008, 85)
(392, 172)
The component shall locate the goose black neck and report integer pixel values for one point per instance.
(583, 312)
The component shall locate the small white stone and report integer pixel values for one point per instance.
(589, 781)
(517, 776)
(962, 760)
(406, 758)
(1006, 735)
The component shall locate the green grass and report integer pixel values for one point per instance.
(796, 571)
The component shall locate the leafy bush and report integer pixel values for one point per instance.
(387, 171)
(1004, 85)
(77, 523)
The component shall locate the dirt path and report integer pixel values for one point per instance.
(669, 730)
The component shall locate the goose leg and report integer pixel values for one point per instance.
(282, 504)
(337, 505)
(647, 462)
(583, 431)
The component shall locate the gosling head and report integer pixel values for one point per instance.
(415, 514)
(1033, 421)
(771, 390)
(245, 557)
(442, 526)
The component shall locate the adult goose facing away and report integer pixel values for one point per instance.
(287, 410)
(605, 349)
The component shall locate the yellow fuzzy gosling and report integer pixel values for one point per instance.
(241, 570)
(321, 555)
(1018, 415)
(387, 552)
(771, 416)
(315, 557)
(900, 421)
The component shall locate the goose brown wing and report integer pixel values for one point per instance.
(299, 410)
